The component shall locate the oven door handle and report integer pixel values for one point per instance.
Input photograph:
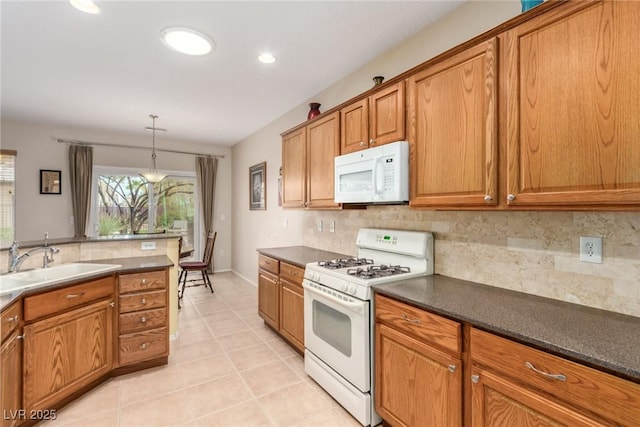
(356, 307)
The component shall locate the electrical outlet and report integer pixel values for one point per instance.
(591, 249)
(147, 246)
(320, 225)
(332, 227)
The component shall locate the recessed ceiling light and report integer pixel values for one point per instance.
(267, 58)
(86, 6)
(186, 40)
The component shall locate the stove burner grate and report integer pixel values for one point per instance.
(375, 271)
(344, 262)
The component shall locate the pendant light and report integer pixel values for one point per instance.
(153, 176)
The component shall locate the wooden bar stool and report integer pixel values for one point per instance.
(187, 267)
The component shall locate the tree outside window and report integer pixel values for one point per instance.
(128, 204)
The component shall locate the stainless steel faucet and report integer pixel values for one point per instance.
(16, 260)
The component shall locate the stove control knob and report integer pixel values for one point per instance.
(343, 287)
(316, 277)
(352, 290)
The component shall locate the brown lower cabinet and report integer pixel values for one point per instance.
(143, 325)
(281, 299)
(419, 367)
(11, 365)
(418, 371)
(66, 352)
(73, 337)
(515, 385)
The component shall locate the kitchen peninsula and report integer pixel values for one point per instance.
(108, 247)
(109, 322)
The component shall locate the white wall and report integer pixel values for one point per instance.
(255, 229)
(38, 148)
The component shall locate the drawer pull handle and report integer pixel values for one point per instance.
(13, 319)
(143, 320)
(143, 301)
(558, 377)
(144, 281)
(451, 368)
(475, 379)
(21, 337)
(72, 296)
(410, 320)
(143, 346)
(112, 304)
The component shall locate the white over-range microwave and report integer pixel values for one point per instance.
(375, 175)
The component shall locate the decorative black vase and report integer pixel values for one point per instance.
(314, 110)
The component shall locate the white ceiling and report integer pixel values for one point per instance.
(110, 71)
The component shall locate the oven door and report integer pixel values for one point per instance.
(336, 330)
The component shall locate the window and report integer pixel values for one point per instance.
(7, 197)
(125, 203)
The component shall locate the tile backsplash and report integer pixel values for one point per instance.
(87, 251)
(532, 252)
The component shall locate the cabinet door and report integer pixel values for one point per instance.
(269, 298)
(354, 127)
(294, 169)
(499, 402)
(323, 144)
(11, 380)
(292, 314)
(572, 106)
(66, 352)
(452, 130)
(386, 123)
(416, 385)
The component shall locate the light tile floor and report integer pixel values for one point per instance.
(225, 369)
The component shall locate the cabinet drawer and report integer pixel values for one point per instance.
(142, 301)
(142, 281)
(427, 327)
(142, 320)
(607, 395)
(292, 273)
(142, 346)
(269, 264)
(68, 297)
(10, 319)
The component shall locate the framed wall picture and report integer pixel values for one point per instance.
(50, 181)
(258, 187)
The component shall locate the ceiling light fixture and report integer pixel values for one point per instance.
(153, 176)
(187, 41)
(86, 6)
(267, 58)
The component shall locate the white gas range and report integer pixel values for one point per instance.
(338, 312)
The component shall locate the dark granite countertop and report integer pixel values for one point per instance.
(300, 255)
(127, 265)
(599, 338)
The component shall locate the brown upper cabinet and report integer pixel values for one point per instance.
(540, 113)
(570, 85)
(375, 120)
(453, 130)
(307, 164)
(294, 156)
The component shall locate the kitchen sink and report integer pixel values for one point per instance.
(13, 282)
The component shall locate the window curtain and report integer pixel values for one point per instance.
(80, 170)
(206, 170)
